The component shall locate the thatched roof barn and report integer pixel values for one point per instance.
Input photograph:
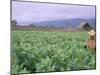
(84, 26)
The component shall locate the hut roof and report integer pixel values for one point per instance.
(81, 25)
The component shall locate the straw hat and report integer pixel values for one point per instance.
(91, 33)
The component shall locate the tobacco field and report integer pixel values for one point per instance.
(38, 51)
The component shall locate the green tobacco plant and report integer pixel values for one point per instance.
(50, 51)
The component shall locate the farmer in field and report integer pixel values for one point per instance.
(91, 42)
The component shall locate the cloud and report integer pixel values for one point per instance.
(28, 12)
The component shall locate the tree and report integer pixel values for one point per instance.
(33, 25)
(14, 22)
(52, 26)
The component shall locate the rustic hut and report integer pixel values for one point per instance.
(84, 26)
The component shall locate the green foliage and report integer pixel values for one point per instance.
(50, 51)
(18, 69)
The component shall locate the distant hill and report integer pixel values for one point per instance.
(65, 23)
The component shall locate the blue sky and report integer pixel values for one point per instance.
(28, 12)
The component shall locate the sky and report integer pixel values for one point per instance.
(29, 12)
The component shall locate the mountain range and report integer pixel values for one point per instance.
(65, 23)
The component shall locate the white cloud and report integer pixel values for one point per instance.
(32, 12)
